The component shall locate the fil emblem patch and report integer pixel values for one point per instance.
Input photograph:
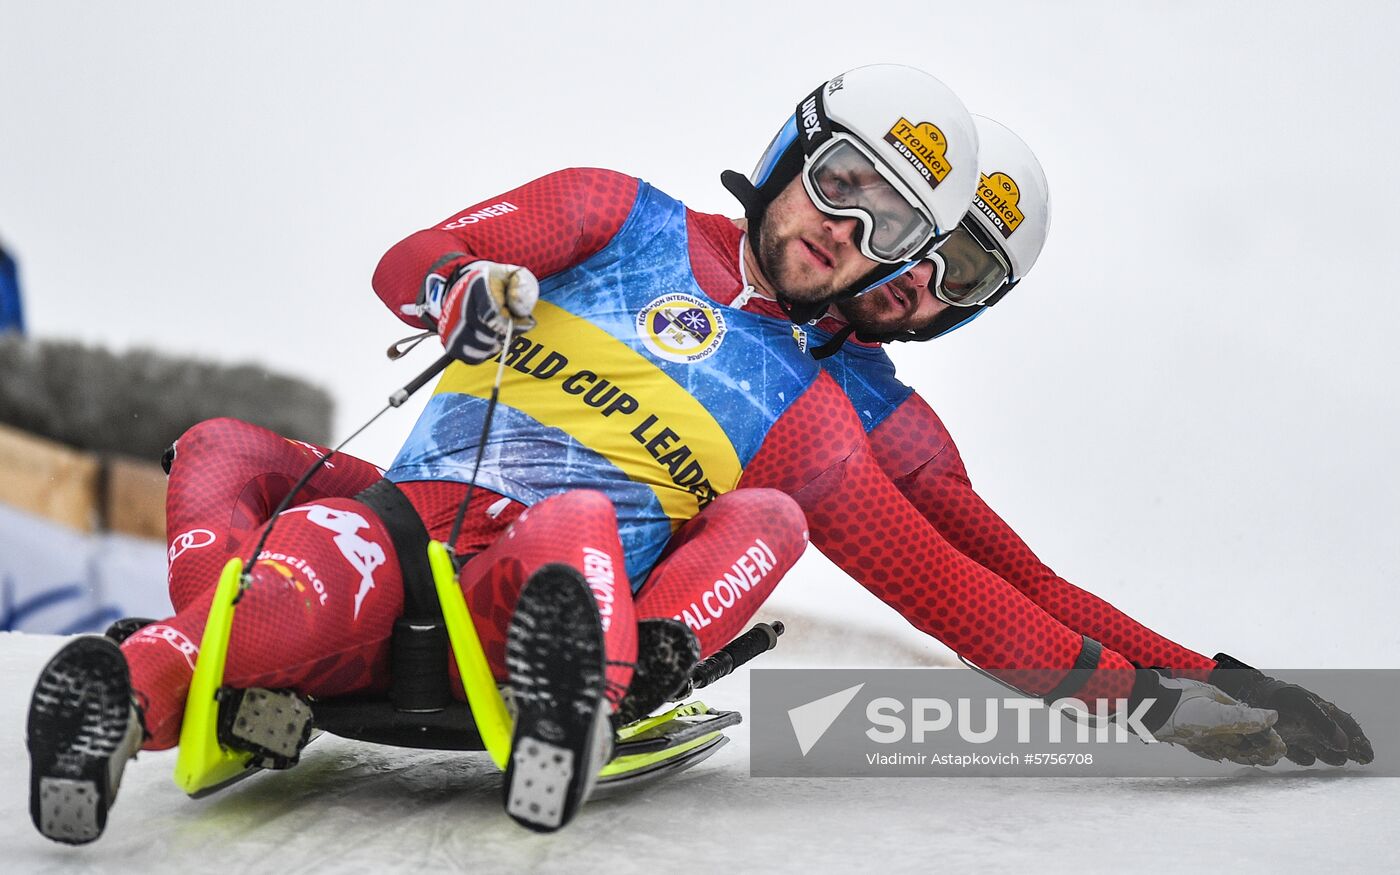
(922, 145)
(681, 328)
(800, 335)
(999, 199)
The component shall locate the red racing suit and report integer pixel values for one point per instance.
(568, 225)
(916, 451)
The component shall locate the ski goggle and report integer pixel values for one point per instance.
(968, 268)
(843, 179)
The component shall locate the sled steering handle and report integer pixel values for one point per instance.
(760, 639)
(418, 382)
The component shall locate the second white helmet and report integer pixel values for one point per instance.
(1000, 238)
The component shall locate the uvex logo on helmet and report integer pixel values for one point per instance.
(924, 146)
(999, 199)
(811, 121)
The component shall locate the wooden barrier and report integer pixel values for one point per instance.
(133, 500)
(48, 479)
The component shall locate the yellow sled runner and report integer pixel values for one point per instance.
(643, 751)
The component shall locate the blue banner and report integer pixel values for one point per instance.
(11, 316)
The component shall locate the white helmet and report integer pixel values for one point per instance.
(1005, 231)
(896, 121)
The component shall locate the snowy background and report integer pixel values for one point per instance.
(1189, 408)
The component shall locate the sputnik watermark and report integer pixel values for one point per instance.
(891, 721)
(959, 723)
(1110, 721)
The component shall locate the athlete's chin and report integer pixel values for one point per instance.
(870, 313)
(797, 283)
(876, 326)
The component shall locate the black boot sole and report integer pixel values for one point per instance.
(78, 718)
(556, 658)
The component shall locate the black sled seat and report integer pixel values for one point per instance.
(376, 720)
(418, 710)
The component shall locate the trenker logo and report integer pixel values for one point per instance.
(999, 199)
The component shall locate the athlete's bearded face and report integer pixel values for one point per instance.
(805, 254)
(903, 304)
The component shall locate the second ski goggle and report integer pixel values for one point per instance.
(968, 268)
(843, 179)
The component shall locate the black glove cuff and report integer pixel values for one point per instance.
(1241, 681)
(1226, 661)
(1147, 684)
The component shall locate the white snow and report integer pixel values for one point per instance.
(352, 807)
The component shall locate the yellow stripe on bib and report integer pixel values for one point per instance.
(570, 374)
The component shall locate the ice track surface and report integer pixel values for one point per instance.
(352, 807)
